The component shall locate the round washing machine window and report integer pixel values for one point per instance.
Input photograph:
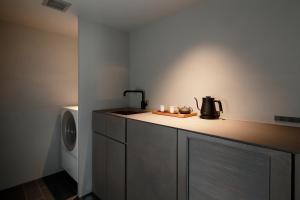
(69, 130)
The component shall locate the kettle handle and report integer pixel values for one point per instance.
(220, 105)
(197, 103)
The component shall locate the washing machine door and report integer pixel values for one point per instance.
(69, 130)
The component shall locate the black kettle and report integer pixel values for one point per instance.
(208, 108)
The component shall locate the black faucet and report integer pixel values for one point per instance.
(144, 103)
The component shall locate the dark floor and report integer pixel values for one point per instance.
(58, 186)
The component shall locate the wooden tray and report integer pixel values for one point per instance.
(174, 114)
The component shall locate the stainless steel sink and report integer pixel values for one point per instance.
(129, 111)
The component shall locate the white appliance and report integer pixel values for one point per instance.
(69, 140)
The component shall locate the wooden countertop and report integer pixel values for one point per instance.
(283, 138)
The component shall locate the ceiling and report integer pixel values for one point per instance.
(120, 14)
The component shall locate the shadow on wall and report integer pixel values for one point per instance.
(30, 141)
(54, 149)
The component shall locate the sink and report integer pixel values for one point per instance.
(129, 111)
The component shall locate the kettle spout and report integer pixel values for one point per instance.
(197, 103)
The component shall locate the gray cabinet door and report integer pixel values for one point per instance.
(115, 127)
(297, 176)
(99, 165)
(151, 162)
(99, 122)
(109, 125)
(215, 169)
(115, 170)
(108, 168)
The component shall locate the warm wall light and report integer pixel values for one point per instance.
(200, 71)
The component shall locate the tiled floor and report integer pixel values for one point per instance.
(59, 186)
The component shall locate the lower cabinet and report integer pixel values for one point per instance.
(297, 177)
(163, 163)
(108, 168)
(99, 166)
(151, 162)
(215, 169)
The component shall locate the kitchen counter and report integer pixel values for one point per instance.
(282, 138)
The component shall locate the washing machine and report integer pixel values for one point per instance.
(69, 140)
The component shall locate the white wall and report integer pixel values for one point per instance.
(38, 75)
(103, 76)
(245, 53)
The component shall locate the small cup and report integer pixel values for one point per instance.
(172, 109)
(162, 108)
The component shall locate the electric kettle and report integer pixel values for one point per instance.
(208, 109)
